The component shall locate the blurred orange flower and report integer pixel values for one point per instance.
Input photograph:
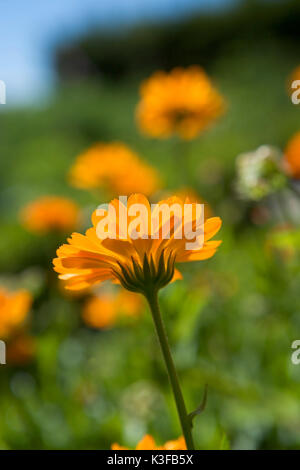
(292, 156)
(14, 308)
(115, 168)
(148, 443)
(104, 311)
(50, 213)
(20, 349)
(182, 102)
(135, 262)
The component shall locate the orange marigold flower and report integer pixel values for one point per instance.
(115, 168)
(50, 213)
(182, 102)
(292, 156)
(14, 308)
(104, 311)
(136, 259)
(177, 444)
(20, 350)
(148, 443)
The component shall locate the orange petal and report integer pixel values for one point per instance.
(206, 252)
(147, 443)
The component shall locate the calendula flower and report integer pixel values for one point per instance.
(50, 213)
(148, 443)
(140, 257)
(21, 349)
(135, 262)
(292, 156)
(104, 311)
(183, 102)
(14, 308)
(259, 172)
(115, 168)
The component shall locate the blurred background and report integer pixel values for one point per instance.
(72, 72)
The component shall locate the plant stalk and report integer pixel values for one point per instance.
(152, 299)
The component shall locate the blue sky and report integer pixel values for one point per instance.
(29, 28)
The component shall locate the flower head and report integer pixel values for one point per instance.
(182, 102)
(50, 213)
(259, 172)
(140, 257)
(148, 443)
(14, 308)
(292, 156)
(115, 168)
(105, 310)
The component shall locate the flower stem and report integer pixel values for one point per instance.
(152, 299)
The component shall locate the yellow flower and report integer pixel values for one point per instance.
(136, 259)
(50, 213)
(115, 168)
(104, 311)
(148, 443)
(292, 156)
(14, 307)
(182, 102)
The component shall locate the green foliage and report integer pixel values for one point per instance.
(231, 321)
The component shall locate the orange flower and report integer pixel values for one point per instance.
(14, 307)
(177, 444)
(136, 259)
(182, 102)
(148, 443)
(113, 167)
(50, 213)
(104, 311)
(292, 156)
(20, 349)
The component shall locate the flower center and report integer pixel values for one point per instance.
(149, 276)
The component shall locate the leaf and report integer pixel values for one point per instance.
(201, 407)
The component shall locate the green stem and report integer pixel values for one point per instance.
(164, 344)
